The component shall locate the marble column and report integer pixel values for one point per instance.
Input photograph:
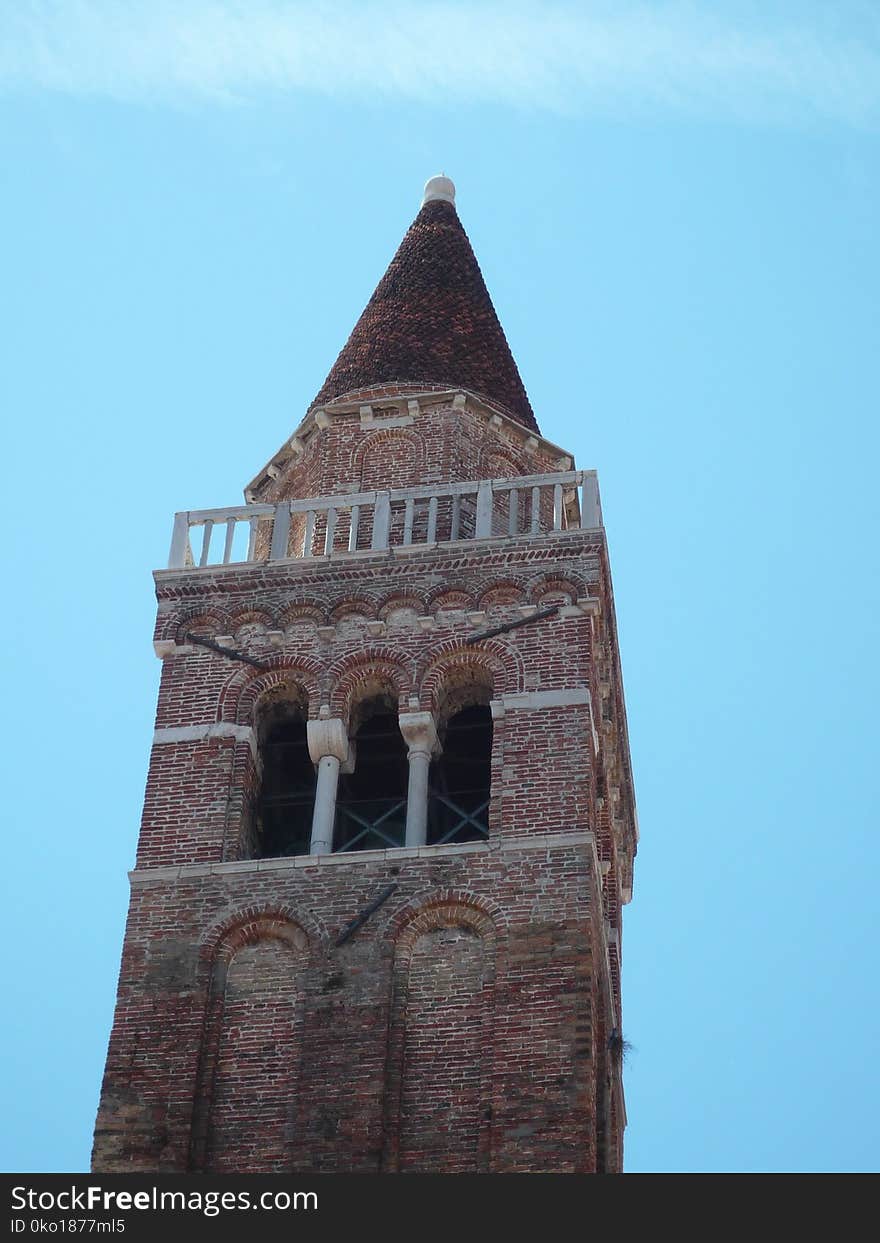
(329, 748)
(420, 735)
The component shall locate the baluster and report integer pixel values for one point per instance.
(590, 513)
(432, 520)
(381, 520)
(353, 529)
(180, 549)
(536, 510)
(280, 532)
(206, 540)
(456, 516)
(483, 525)
(513, 512)
(557, 507)
(331, 531)
(409, 512)
(252, 539)
(227, 543)
(309, 536)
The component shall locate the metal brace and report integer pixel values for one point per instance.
(350, 929)
(229, 652)
(521, 621)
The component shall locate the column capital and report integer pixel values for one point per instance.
(419, 732)
(327, 737)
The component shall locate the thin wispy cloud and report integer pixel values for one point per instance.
(718, 60)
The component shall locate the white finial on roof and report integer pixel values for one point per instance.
(439, 189)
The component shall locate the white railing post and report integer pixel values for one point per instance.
(309, 535)
(353, 528)
(382, 520)
(252, 539)
(280, 532)
(230, 536)
(179, 542)
(591, 514)
(513, 511)
(207, 528)
(484, 510)
(331, 530)
(536, 510)
(409, 514)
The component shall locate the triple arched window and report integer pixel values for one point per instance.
(374, 784)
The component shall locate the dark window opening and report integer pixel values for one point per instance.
(458, 802)
(371, 801)
(287, 791)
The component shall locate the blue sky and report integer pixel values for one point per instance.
(674, 206)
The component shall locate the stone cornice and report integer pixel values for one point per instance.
(296, 572)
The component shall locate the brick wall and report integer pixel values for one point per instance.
(393, 448)
(468, 998)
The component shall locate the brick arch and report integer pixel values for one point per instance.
(504, 591)
(401, 600)
(453, 660)
(247, 923)
(448, 598)
(303, 610)
(213, 621)
(443, 993)
(421, 911)
(245, 686)
(458, 684)
(501, 461)
(360, 606)
(350, 676)
(250, 617)
(544, 584)
(385, 446)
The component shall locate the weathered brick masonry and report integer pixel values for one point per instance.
(471, 1022)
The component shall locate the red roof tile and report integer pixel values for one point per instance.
(431, 322)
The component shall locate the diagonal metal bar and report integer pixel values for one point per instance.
(513, 625)
(370, 826)
(481, 829)
(366, 833)
(350, 929)
(346, 810)
(352, 815)
(228, 652)
(465, 817)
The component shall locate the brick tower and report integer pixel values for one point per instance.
(389, 821)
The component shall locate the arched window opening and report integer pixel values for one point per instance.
(371, 800)
(287, 788)
(458, 803)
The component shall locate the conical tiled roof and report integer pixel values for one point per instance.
(431, 321)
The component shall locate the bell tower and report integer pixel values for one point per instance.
(389, 825)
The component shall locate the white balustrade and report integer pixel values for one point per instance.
(434, 513)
